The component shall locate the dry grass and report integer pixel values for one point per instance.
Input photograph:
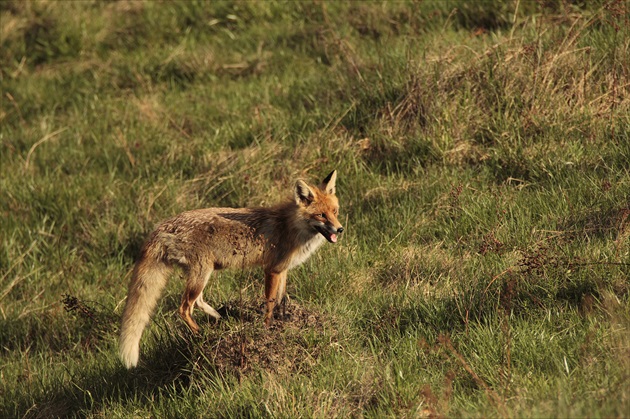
(483, 156)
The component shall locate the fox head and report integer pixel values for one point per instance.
(320, 207)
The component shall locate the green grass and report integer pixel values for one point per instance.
(483, 151)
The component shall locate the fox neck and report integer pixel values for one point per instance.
(303, 252)
(292, 237)
(292, 226)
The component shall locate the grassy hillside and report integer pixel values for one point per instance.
(483, 151)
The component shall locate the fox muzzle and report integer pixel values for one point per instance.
(329, 232)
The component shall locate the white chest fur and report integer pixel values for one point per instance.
(306, 250)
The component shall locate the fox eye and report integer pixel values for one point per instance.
(322, 215)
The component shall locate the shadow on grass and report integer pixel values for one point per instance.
(236, 346)
(607, 224)
(90, 389)
(520, 293)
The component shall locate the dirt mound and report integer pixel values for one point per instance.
(239, 343)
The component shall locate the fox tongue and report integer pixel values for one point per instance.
(333, 238)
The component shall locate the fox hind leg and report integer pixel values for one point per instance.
(196, 279)
(207, 308)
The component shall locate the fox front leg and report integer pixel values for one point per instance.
(273, 282)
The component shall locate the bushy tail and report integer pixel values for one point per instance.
(148, 280)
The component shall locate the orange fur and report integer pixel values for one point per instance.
(202, 241)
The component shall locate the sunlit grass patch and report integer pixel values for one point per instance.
(482, 151)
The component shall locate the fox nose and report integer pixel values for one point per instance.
(340, 230)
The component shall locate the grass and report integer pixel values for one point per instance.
(483, 152)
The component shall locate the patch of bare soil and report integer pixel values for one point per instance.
(239, 342)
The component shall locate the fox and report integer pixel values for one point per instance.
(201, 241)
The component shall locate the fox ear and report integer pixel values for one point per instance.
(304, 195)
(328, 184)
